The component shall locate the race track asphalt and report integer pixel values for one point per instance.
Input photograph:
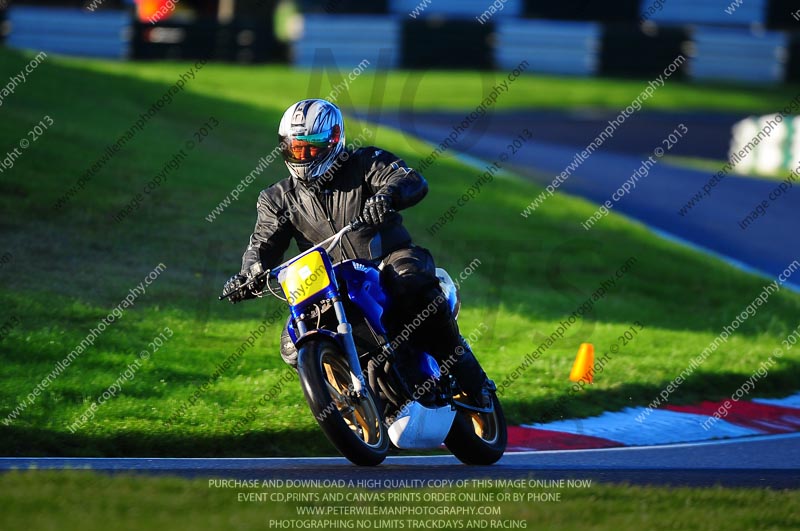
(769, 461)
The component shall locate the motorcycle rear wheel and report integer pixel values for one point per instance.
(478, 438)
(352, 423)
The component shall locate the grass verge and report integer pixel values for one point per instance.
(88, 501)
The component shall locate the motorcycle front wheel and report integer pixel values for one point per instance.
(352, 422)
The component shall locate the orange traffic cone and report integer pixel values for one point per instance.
(583, 368)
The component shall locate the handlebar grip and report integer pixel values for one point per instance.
(263, 273)
(359, 221)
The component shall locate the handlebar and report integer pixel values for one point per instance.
(335, 239)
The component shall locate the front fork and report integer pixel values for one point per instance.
(345, 331)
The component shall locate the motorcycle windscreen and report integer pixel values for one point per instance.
(304, 278)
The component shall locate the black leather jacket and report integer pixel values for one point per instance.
(310, 213)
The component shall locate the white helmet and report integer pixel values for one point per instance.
(311, 134)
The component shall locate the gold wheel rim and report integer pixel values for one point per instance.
(484, 425)
(360, 416)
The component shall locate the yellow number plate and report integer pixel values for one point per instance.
(304, 278)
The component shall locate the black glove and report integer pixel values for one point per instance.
(234, 286)
(376, 208)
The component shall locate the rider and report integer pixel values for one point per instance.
(328, 187)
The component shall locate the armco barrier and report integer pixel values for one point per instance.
(70, 31)
(711, 12)
(738, 54)
(552, 47)
(345, 41)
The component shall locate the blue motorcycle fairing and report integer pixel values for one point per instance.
(364, 289)
(362, 280)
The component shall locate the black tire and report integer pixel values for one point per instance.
(355, 429)
(472, 447)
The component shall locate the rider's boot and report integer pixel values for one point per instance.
(455, 354)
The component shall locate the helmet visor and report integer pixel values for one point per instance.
(307, 148)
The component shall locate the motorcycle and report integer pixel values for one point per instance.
(364, 395)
